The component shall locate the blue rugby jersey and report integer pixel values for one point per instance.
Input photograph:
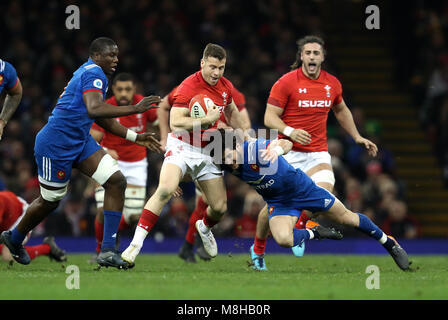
(67, 130)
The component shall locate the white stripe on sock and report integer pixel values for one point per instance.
(383, 239)
(311, 233)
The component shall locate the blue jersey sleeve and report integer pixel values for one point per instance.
(10, 75)
(93, 80)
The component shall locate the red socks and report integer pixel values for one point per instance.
(209, 222)
(259, 245)
(199, 212)
(35, 251)
(123, 224)
(99, 229)
(147, 220)
(301, 223)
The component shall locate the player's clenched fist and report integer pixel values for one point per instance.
(213, 114)
(300, 136)
(147, 103)
(148, 140)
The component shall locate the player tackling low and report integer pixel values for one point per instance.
(298, 107)
(288, 190)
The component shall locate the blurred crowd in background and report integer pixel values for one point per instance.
(161, 43)
(429, 77)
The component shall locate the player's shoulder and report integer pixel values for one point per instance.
(330, 77)
(186, 86)
(6, 67)
(226, 83)
(90, 68)
(287, 78)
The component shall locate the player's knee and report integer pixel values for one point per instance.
(164, 193)
(219, 206)
(284, 239)
(116, 182)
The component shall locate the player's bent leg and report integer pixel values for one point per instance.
(170, 176)
(282, 230)
(340, 214)
(215, 192)
(101, 167)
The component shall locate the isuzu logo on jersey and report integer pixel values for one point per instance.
(314, 103)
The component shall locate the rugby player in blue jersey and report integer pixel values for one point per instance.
(65, 143)
(288, 191)
(11, 83)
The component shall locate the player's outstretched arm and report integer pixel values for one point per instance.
(180, 118)
(97, 108)
(12, 100)
(345, 119)
(272, 120)
(277, 147)
(145, 139)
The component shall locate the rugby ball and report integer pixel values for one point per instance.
(199, 105)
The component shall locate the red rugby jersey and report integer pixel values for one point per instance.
(127, 150)
(220, 94)
(11, 209)
(306, 104)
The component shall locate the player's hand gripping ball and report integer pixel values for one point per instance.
(199, 105)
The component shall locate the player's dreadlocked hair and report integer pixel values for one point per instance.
(215, 51)
(301, 43)
(99, 44)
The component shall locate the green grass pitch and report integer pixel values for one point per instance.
(166, 277)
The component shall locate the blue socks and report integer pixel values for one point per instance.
(111, 222)
(300, 235)
(368, 227)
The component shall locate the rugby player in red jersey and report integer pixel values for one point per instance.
(184, 154)
(298, 107)
(12, 209)
(186, 251)
(131, 158)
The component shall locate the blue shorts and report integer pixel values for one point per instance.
(316, 199)
(56, 173)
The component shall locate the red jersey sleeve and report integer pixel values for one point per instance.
(151, 115)
(279, 94)
(171, 96)
(239, 99)
(338, 97)
(182, 96)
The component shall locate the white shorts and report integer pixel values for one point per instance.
(136, 173)
(307, 160)
(190, 160)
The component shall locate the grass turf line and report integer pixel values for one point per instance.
(228, 277)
